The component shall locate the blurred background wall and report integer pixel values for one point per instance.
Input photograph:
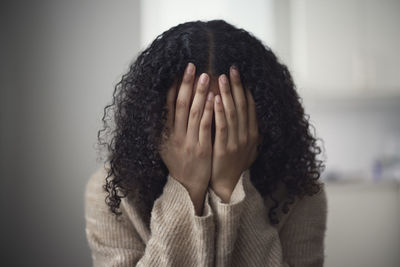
(60, 60)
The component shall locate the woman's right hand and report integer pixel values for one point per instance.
(187, 150)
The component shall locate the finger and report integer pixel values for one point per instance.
(171, 96)
(206, 120)
(229, 108)
(252, 116)
(221, 127)
(196, 110)
(183, 100)
(239, 98)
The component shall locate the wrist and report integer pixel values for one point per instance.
(223, 192)
(197, 197)
(224, 187)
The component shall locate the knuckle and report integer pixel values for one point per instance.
(202, 152)
(201, 90)
(206, 126)
(231, 114)
(181, 104)
(194, 114)
(243, 140)
(236, 80)
(220, 153)
(176, 140)
(189, 149)
(226, 89)
(242, 106)
(209, 106)
(220, 109)
(222, 128)
(233, 148)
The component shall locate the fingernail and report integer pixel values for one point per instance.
(203, 78)
(210, 96)
(223, 79)
(218, 99)
(190, 68)
(235, 71)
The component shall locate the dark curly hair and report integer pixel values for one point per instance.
(288, 153)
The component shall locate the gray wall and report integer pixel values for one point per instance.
(59, 63)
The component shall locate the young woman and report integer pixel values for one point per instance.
(210, 159)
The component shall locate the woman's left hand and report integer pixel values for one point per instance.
(236, 136)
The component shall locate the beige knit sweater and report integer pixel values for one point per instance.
(237, 233)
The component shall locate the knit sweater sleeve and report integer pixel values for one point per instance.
(244, 236)
(178, 237)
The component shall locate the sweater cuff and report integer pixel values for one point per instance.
(227, 219)
(203, 227)
(181, 199)
(237, 196)
(229, 213)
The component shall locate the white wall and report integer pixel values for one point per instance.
(160, 15)
(363, 225)
(346, 44)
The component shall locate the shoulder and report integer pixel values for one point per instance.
(95, 195)
(311, 208)
(107, 233)
(314, 204)
(94, 186)
(308, 207)
(97, 210)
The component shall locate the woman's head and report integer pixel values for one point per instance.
(287, 154)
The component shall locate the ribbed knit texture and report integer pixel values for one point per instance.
(237, 233)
